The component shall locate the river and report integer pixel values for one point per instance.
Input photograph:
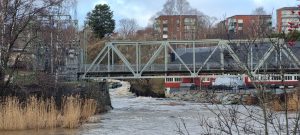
(154, 116)
(137, 116)
(145, 115)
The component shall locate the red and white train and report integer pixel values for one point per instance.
(207, 81)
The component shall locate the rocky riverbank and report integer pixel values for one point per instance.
(213, 97)
(148, 87)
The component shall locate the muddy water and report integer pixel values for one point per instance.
(136, 116)
(145, 115)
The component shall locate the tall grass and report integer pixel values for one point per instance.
(38, 113)
(293, 103)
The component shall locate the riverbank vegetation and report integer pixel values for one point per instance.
(148, 87)
(38, 113)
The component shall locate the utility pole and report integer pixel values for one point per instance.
(84, 48)
(2, 38)
(51, 51)
(2, 42)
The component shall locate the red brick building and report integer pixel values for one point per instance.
(248, 25)
(176, 27)
(286, 15)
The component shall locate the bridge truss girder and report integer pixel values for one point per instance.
(140, 70)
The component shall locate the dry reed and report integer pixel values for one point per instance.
(39, 113)
(293, 103)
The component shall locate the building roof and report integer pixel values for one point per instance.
(289, 8)
(176, 16)
(251, 15)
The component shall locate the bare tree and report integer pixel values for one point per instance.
(177, 7)
(259, 11)
(127, 28)
(183, 7)
(20, 24)
(169, 8)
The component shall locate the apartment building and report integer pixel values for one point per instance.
(248, 25)
(285, 16)
(176, 27)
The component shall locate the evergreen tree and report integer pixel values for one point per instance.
(101, 20)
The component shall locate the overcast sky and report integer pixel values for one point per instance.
(142, 10)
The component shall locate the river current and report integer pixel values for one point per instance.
(146, 116)
(137, 116)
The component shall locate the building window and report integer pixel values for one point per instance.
(165, 21)
(165, 32)
(240, 24)
(165, 28)
(240, 21)
(165, 36)
(186, 20)
(189, 21)
(189, 28)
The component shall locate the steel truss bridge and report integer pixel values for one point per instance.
(161, 59)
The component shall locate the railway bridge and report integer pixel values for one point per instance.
(191, 59)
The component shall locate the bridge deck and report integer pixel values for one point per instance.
(186, 74)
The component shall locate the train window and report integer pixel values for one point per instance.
(278, 77)
(288, 78)
(285, 78)
(298, 77)
(177, 79)
(275, 78)
(206, 79)
(169, 79)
